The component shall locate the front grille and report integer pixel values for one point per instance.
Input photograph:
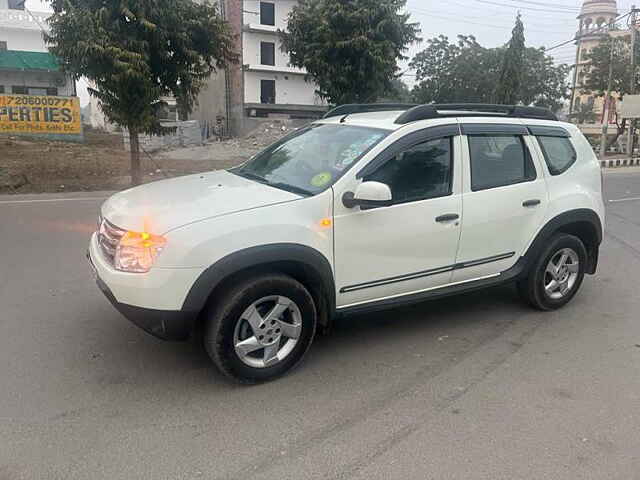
(108, 238)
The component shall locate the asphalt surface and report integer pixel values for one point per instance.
(472, 387)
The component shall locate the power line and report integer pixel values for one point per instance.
(597, 30)
(483, 24)
(552, 5)
(517, 7)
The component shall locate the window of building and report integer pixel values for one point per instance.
(19, 90)
(267, 53)
(52, 91)
(267, 91)
(421, 172)
(558, 153)
(16, 4)
(1, 88)
(3, 46)
(500, 160)
(267, 13)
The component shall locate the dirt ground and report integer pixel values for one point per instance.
(101, 163)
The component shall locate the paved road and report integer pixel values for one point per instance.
(477, 387)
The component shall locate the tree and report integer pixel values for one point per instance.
(137, 51)
(350, 48)
(448, 72)
(398, 92)
(461, 72)
(509, 81)
(600, 59)
(597, 68)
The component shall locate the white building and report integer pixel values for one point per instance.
(272, 87)
(26, 66)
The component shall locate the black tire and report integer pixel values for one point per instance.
(226, 313)
(532, 288)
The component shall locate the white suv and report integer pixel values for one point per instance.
(371, 207)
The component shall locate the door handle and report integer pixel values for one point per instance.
(531, 203)
(450, 217)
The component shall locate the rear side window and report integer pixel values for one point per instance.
(499, 160)
(418, 173)
(558, 153)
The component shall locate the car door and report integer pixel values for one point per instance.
(504, 200)
(411, 245)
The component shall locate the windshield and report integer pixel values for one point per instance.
(311, 159)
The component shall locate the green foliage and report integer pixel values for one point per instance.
(508, 87)
(398, 93)
(599, 60)
(450, 73)
(349, 48)
(468, 72)
(136, 51)
(584, 113)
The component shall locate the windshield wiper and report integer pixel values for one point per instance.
(252, 176)
(280, 185)
(291, 188)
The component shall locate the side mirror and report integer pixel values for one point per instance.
(369, 195)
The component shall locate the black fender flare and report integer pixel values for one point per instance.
(309, 259)
(583, 216)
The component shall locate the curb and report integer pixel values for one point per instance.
(620, 162)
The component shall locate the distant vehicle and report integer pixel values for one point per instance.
(372, 207)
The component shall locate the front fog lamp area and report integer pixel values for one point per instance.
(137, 251)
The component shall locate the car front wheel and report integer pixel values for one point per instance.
(261, 329)
(557, 275)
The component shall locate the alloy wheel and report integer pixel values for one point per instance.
(268, 331)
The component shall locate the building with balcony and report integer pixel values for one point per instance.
(272, 87)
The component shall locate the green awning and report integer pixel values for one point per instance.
(15, 60)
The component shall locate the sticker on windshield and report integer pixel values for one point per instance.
(321, 179)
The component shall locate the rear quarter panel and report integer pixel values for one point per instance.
(580, 187)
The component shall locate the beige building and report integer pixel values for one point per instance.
(596, 21)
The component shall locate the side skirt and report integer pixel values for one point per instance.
(412, 298)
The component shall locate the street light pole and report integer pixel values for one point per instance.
(632, 90)
(607, 104)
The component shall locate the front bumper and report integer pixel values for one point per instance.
(143, 298)
(163, 324)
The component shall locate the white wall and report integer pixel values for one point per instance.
(36, 79)
(251, 48)
(282, 9)
(290, 89)
(23, 40)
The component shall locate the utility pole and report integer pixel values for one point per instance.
(632, 90)
(607, 103)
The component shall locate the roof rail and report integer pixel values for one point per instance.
(424, 112)
(350, 108)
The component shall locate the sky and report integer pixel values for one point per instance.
(547, 22)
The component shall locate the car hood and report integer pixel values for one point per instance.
(168, 204)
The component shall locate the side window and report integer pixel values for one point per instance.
(558, 152)
(499, 160)
(420, 172)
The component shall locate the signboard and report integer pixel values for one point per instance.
(40, 115)
(631, 106)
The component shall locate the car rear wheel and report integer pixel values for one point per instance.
(557, 275)
(260, 328)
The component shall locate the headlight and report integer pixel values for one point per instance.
(137, 251)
